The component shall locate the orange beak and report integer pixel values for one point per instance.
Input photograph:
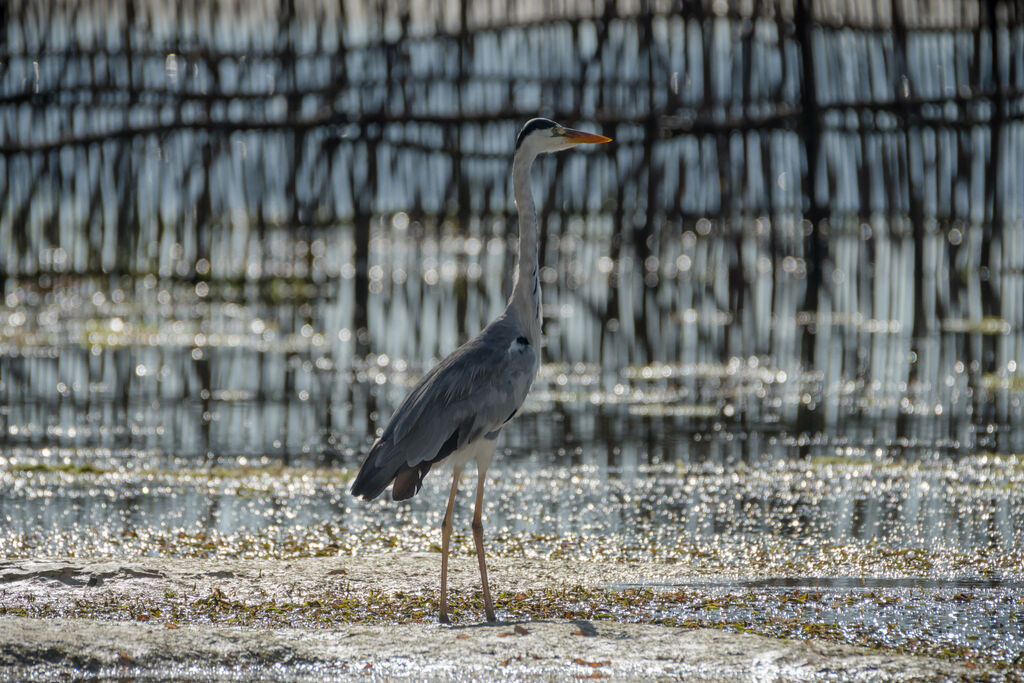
(579, 136)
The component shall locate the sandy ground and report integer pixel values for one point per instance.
(59, 648)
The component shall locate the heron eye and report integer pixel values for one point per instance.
(558, 131)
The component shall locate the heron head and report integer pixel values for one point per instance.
(539, 136)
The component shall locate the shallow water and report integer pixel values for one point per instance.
(947, 617)
(941, 518)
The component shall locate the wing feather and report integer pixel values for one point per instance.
(470, 393)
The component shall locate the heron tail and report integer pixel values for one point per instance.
(386, 463)
(373, 477)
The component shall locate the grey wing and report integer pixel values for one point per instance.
(470, 393)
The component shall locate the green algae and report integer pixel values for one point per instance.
(77, 469)
(691, 608)
(765, 557)
(271, 476)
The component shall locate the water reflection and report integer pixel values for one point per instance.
(220, 368)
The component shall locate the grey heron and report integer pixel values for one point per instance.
(456, 410)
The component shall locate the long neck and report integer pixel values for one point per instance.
(525, 300)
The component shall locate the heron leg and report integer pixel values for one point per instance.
(446, 535)
(478, 538)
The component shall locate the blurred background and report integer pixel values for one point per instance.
(235, 233)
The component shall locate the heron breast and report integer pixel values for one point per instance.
(481, 450)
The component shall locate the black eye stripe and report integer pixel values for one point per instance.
(532, 125)
(523, 341)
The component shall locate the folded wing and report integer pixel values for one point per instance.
(469, 394)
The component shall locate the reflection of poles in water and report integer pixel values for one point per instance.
(814, 247)
(911, 138)
(993, 209)
(608, 338)
(362, 185)
(204, 207)
(363, 193)
(202, 367)
(142, 133)
(460, 179)
(651, 230)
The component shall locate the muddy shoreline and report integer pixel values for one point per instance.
(121, 618)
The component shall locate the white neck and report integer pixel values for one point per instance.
(525, 299)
